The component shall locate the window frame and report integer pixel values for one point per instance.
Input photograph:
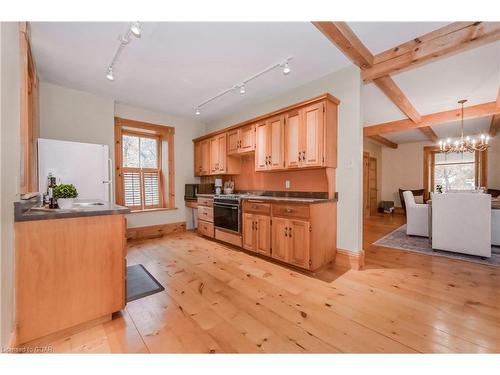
(146, 130)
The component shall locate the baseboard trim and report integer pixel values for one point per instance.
(154, 231)
(350, 259)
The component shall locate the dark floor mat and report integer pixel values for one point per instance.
(140, 283)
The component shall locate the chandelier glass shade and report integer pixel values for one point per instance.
(464, 144)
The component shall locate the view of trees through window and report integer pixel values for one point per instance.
(140, 152)
(454, 171)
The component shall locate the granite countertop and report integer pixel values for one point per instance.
(28, 210)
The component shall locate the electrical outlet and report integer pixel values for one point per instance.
(287, 184)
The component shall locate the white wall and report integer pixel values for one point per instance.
(10, 168)
(185, 131)
(346, 86)
(403, 168)
(79, 116)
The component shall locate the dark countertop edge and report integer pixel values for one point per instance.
(290, 199)
(21, 215)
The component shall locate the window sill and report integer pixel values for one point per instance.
(153, 210)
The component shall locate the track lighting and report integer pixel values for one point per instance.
(286, 69)
(242, 86)
(124, 39)
(197, 112)
(135, 28)
(110, 74)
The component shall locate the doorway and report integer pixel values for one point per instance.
(369, 185)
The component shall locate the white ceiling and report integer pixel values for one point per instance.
(175, 66)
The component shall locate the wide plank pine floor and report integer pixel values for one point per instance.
(219, 300)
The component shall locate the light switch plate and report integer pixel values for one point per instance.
(287, 184)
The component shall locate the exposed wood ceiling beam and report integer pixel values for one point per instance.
(440, 43)
(475, 111)
(384, 141)
(429, 133)
(340, 34)
(495, 125)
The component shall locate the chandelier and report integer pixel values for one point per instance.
(467, 144)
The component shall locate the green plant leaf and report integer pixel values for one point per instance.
(65, 191)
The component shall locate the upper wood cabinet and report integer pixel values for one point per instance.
(269, 144)
(211, 157)
(202, 158)
(299, 136)
(241, 140)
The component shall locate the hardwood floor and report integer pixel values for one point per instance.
(218, 300)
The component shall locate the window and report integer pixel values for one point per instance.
(144, 154)
(455, 171)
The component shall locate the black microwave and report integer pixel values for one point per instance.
(190, 192)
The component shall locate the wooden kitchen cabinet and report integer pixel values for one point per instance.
(290, 241)
(279, 239)
(211, 158)
(241, 140)
(202, 158)
(206, 217)
(269, 144)
(257, 233)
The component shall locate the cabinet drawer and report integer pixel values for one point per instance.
(255, 206)
(291, 210)
(206, 213)
(206, 228)
(209, 202)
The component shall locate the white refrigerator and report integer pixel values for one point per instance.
(85, 165)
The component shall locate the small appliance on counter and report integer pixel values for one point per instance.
(228, 187)
(190, 192)
(218, 186)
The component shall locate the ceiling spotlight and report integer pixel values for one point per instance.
(135, 28)
(197, 112)
(110, 74)
(286, 69)
(242, 89)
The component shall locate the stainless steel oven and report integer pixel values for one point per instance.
(227, 213)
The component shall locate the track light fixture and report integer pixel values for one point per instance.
(242, 86)
(134, 29)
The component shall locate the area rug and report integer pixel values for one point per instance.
(398, 239)
(140, 283)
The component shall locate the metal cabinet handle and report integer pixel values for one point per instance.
(286, 233)
(256, 226)
(289, 232)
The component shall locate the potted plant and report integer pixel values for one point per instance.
(65, 194)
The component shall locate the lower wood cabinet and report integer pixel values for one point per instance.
(257, 233)
(291, 241)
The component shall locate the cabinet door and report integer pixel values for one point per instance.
(279, 238)
(233, 139)
(214, 155)
(263, 234)
(222, 154)
(313, 135)
(298, 243)
(248, 231)
(198, 166)
(292, 151)
(261, 155)
(247, 138)
(276, 142)
(205, 157)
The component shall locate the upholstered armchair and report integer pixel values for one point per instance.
(416, 193)
(461, 222)
(417, 216)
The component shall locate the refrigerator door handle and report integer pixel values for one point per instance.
(109, 180)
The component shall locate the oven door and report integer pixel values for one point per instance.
(227, 216)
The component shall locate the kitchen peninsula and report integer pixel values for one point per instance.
(70, 267)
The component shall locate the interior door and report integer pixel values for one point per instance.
(248, 231)
(313, 135)
(292, 126)
(279, 238)
(247, 138)
(205, 157)
(261, 146)
(372, 185)
(276, 142)
(263, 234)
(366, 201)
(298, 239)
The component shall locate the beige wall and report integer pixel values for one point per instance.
(345, 85)
(402, 168)
(79, 116)
(10, 170)
(494, 163)
(375, 151)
